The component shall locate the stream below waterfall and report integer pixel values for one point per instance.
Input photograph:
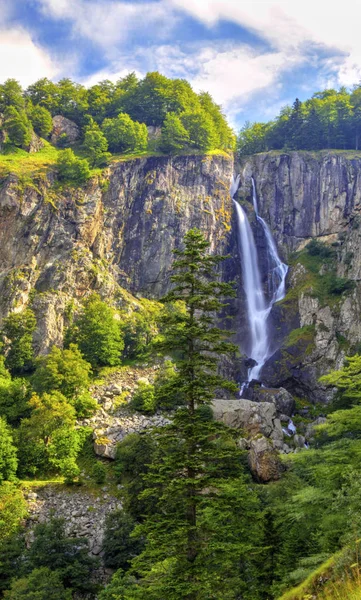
(259, 301)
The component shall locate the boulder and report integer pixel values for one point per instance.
(281, 398)
(252, 417)
(61, 126)
(263, 460)
(105, 448)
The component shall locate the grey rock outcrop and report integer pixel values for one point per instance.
(281, 398)
(64, 126)
(261, 434)
(253, 417)
(71, 242)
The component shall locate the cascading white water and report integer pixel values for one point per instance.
(258, 307)
(279, 270)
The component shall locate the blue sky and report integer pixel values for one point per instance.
(253, 56)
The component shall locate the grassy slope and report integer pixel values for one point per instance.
(329, 582)
(25, 165)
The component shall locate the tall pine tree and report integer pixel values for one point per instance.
(203, 532)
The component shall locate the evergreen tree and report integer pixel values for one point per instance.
(193, 544)
(295, 126)
(67, 556)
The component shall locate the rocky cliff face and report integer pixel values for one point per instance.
(302, 196)
(115, 234)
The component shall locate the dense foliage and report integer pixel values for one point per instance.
(329, 119)
(114, 117)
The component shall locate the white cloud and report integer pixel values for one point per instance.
(22, 59)
(290, 25)
(109, 23)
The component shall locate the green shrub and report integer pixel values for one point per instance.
(316, 248)
(17, 333)
(41, 584)
(96, 145)
(8, 458)
(99, 472)
(41, 121)
(144, 398)
(18, 127)
(71, 169)
(97, 333)
(68, 372)
(124, 134)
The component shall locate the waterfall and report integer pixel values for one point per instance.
(258, 306)
(279, 270)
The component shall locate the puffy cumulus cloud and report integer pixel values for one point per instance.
(293, 26)
(22, 59)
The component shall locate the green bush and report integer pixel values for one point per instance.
(124, 134)
(96, 145)
(18, 127)
(8, 458)
(316, 248)
(144, 398)
(41, 120)
(99, 472)
(68, 372)
(71, 169)
(41, 584)
(174, 136)
(97, 333)
(17, 333)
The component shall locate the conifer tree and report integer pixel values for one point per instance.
(198, 532)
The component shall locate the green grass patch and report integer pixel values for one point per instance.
(308, 587)
(319, 280)
(305, 334)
